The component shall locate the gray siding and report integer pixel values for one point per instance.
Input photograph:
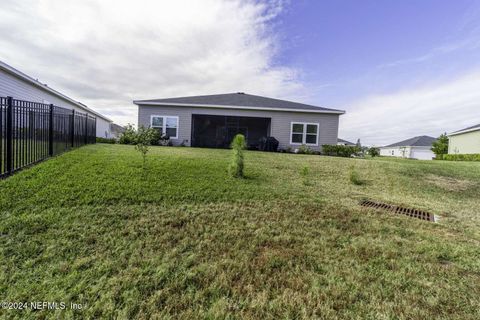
(280, 122)
(22, 90)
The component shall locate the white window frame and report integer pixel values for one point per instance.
(164, 126)
(304, 134)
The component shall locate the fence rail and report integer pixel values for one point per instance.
(31, 132)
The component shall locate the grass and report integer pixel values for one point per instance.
(188, 241)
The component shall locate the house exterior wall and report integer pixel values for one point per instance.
(280, 125)
(420, 153)
(22, 90)
(464, 143)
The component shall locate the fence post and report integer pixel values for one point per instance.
(86, 128)
(50, 132)
(95, 131)
(72, 129)
(9, 135)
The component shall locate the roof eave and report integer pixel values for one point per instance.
(42, 86)
(195, 105)
(463, 131)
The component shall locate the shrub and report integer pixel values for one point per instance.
(355, 177)
(305, 175)
(459, 157)
(143, 140)
(374, 152)
(106, 140)
(237, 164)
(304, 149)
(440, 147)
(129, 136)
(340, 151)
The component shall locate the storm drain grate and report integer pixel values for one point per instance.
(414, 213)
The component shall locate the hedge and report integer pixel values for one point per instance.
(339, 151)
(459, 157)
(106, 140)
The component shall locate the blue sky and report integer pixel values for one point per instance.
(400, 68)
(348, 51)
(353, 48)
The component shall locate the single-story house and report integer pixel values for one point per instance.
(341, 142)
(464, 141)
(213, 120)
(18, 85)
(414, 148)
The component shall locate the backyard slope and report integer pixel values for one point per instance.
(182, 239)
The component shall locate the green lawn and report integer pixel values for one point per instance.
(184, 240)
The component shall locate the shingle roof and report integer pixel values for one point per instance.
(472, 128)
(346, 142)
(240, 100)
(420, 141)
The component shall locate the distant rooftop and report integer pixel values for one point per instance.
(420, 141)
(348, 143)
(239, 100)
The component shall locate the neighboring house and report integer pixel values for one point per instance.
(414, 148)
(116, 130)
(20, 86)
(341, 142)
(213, 120)
(464, 141)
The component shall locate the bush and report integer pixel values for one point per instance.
(459, 157)
(340, 151)
(305, 175)
(129, 136)
(304, 149)
(440, 147)
(237, 164)
(374, 152)
(355, 177)
(106, 140)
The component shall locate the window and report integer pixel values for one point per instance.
(166, 125)
(304, 133)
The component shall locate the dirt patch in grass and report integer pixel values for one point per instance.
(449, 183)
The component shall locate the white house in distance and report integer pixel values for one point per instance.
(414, 148)
(18, 85)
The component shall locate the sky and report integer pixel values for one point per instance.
(399, 68)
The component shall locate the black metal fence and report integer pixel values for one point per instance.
(31, 132)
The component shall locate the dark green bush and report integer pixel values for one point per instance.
(339, 151)
(459, 157)
(374, 152)
(106, 140)
(129, 136)
(237, 165)
(440, 147)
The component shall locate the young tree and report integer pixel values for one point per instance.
(143, 140)
(440, 146)
(237, 165)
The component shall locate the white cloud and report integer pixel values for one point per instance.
(429, 110)
(107, 53)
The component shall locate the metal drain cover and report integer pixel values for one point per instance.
(414, 213)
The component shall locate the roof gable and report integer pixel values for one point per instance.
(240, 100)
